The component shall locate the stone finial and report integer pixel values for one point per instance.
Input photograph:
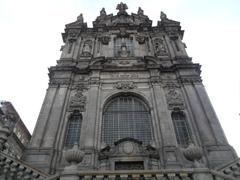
(4, 133)
(122, 8)
(74, 155)
(140, 11)
(103, 12)
(193, 153)
(80, 18)
(163, 16)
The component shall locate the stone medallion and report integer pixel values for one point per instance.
(128, 148)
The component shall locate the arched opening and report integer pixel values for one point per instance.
(126, 116)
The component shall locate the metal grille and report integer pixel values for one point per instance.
(73, 131)
(126, 116)
(181, 128)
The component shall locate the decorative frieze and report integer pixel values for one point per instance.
(125, 85)
(58, 82)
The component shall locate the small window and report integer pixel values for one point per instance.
(73, 129)
(181, 128)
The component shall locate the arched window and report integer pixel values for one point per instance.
(182, 131)
(126, 116)
(73, 129)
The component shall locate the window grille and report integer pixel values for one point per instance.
(126, 116)
(181, 128)
(73, 130)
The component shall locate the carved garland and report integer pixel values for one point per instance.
(125, 85)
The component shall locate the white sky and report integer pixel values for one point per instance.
(30, 40)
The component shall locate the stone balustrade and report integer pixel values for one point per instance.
(187, 174)
(15, 169)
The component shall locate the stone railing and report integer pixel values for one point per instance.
(170, 174)
(16, 169)
(231, 169)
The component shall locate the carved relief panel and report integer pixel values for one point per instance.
(174, 96)
(77, 99)
(160, 46)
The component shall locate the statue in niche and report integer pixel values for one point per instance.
(123, 51)
(159, 46)
(87, 48)
(103, 12)
(140, 11)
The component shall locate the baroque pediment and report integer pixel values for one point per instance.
(122, 18)
(129, 147)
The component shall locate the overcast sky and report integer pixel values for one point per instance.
(30, 41)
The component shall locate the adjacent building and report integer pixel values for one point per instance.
(20, 136)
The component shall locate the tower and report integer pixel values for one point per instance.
(129, 96)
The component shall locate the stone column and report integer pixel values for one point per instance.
(210, 114)
(206, 132)
(55, 117)
(43, 117)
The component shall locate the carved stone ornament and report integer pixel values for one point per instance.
(141, 39)
(122, 9)
(193, 153)
(57, 82)
(159, 46)
(140, 11)
(174, 98)
(125, 85)
(104, 40)
(103, 12)
(78, 100)
(74, 155)
(87, 48)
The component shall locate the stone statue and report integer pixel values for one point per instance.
(122, 9)
(103, 12)
(163, 16)
(140, 11)
(80, 18)
(123, 51)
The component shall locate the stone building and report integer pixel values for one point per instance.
(125, 95)
(20, 136)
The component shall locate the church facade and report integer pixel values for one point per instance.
(125, 95)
